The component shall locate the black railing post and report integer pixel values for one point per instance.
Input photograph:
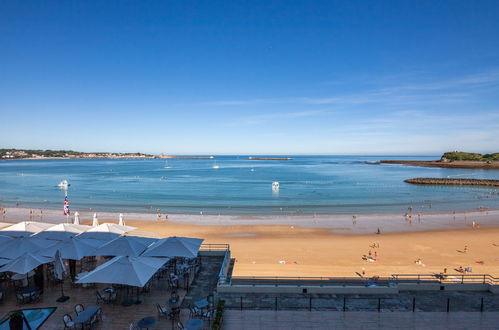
(310, 303)
(276, 303)
(379, 305)
(413, 304)
(241, 302)
(448, 305)
(483, 278)
(344, 303)
(481, 305)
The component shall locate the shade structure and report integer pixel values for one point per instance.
(5, 224)
(72, 248)
(5, 239)
(4, 261)
(21, 245)
(174, 247)
(130, 246)
(25, 228)
(62, 231)
(133, 271)
(77, 218)
(95, 221)
(121, 222)
(106, 231)
(25, 263)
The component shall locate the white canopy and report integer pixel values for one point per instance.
(77, 218)
(106, 231)
(71, 248)
(62, 231)
(5, 224)
(95, 222)
(21, 245)
(174, 247)
(25, 228)
(131, 246)
(134, 271)
(25, 263)
(4, 261)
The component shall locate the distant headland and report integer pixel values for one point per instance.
(455, 159)
(67, 154)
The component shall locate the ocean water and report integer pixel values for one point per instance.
(308, 184)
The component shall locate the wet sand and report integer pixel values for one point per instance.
(329, 245)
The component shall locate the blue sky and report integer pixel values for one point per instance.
(250, 77)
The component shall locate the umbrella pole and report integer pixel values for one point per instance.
(62, 298)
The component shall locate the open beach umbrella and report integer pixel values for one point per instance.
(106, 231)
(62, 231)
(4, 261)
(72, 248)
(133, 271)
(25, 228)
(25, 263)
(174, 247)
(77, 218)
(5, 239)
(130, 246)
(21, 245)
(95, 222)
(121, 222)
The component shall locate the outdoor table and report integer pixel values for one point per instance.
(146, 322)
(22, 277)
(194, 324)
(203, 303)
(86, 315)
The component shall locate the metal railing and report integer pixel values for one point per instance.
(358, 281)
(447, 278)
(214, 247)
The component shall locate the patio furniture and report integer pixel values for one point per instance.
(146, 322)
(194, 311)
(180, 326)
(79, 308)
(88, 316)
(194, 324)
(162, 311)
(68, 322)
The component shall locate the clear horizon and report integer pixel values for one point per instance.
(236, 78)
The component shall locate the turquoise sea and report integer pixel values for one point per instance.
(308, 184)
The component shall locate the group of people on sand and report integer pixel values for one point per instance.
(3, 211)
(32, 214)
(159, 216)
(372, 256)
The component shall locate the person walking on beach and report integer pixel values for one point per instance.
(378, 232)
(465, 248)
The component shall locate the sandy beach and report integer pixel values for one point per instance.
(328, 245)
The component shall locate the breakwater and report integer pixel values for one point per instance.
(458, 182)
(483, 165)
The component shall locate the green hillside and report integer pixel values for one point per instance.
(458, 155)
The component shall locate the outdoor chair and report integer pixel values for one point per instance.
(180, 326)
(20, 298)
(100, 298)
(99, 314)
(92, 321)
(194, 311)
(162, 311)
(78, 309)
(68, 322)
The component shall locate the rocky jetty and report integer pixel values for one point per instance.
(458, 182)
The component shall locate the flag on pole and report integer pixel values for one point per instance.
(66, 206)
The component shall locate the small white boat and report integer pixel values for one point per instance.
(275, 186)
(215, 166)
(64, 184)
